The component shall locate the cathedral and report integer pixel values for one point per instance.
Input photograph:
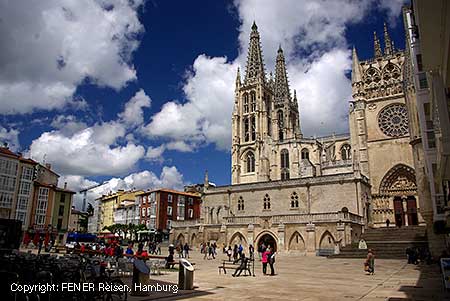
(304, 194)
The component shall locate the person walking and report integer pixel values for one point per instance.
(251, 251)
(229, 253)
(186, 250)
(387, 223)
(235, 252)
(206, 250)
(370, 262)
(264, 260)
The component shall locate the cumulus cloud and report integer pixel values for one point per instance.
(47, 48)
(393, 9)
(9, 137)
(155, 153)
(81, 154)
(134, 113)
(207, 114)
(312, 34)
(170, 177)
(74, 148)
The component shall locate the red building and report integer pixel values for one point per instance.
(158, 208)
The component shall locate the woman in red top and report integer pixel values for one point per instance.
(265, 258)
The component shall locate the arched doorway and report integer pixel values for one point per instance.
(180, 239)
(238, 239)
(296, 243)
(268, 240)
(193, 241)
(326, 242)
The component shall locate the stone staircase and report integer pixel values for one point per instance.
(387, 243)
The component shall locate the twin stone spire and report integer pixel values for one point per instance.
(255, 69)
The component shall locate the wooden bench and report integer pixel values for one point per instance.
(227, 265)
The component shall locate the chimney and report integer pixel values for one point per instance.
(65, 185)
(5, 145)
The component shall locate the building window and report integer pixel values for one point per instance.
(346, 152)
(169, 210)
(253, 127)
(280, 125)
(42, 203)
(305, 154)
(266, 204)
(246, 129)
(240, 203)
(169, 198)
(144, 210)
(61, 210)
(393, 120)
(294, 200)
(27, 173)
(190, 201)
(59, 225)
(246, 103)
(250, 162)
(253, 101)
(423, 84)
(25, 188)
(284, 164)
(191, 213)
(181, 208)
(169, 224)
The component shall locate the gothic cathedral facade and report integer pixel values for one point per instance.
(311, 194)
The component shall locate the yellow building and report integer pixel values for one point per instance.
(109, 203)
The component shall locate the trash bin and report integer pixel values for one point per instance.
(141, 276)
(186, 275)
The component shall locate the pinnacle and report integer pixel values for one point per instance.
(254, 27)
(280, 50)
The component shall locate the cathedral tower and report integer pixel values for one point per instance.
(379, 134)
(251, 120)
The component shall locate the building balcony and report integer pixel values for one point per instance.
(298, 218)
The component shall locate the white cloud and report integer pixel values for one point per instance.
(155, 153)
(180, 146)
(133, 113)
(170, 177)
(393, 9)
(47, 48)
(324, 91)
(207, 116)
(11, 137)
(312, 34)
(67, 125)
(81, 154)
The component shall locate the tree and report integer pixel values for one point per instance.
(90, 209)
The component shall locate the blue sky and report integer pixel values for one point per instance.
(141, 92)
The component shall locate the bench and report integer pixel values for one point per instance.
(232, 266)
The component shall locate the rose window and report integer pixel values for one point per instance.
(393, 120)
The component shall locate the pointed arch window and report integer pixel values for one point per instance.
(252, 101)
(280, 124)
(305, 154)
(246, 129)
(250, 162)
(240, 203)
(284, 164)
(346, 152)
(246, 110)
(294, 200)
(253, 128)
(266, 202)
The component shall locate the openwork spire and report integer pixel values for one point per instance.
(255, 66)
(356, 68)
(388, 47)
(376, 45)
(281, 81)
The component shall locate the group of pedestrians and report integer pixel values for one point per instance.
(209, 250)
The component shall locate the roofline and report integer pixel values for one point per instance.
(170, 191)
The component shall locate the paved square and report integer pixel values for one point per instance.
(315, 278)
